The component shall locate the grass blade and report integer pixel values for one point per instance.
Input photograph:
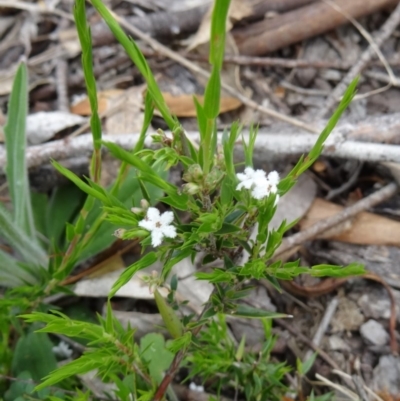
(15, 138)
(11, 273)
(137, 57)
(18, 239)
(85, 39)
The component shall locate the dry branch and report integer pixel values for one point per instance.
(276, 143)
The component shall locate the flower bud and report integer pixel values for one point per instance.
(193, 174)
(213, 178)
(191, 189)
(144, 204)
(119, 233)
(137, 210)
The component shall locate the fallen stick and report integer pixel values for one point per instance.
(323, 325)
(306, 22)
(270, 147)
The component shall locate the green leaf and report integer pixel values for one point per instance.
(323, 270)
(174, 282)
(228, 229)
(129, 272)
(250, 312)
(85, 40)
(240, 350)
(152, 349)
(201, 120)
(171, 320)
(249, 147)
(18, 239)
(218, 32)
(39, 207)
(137, 57)
(212, 94)
(148, 174)
(64, 203)
(305, 162)
(57, 322)
(12, 274)
(84, 364)
(80, 183)
(33, 353)
(129, 194)
(15, 138)
(176, 258)
(303, 368)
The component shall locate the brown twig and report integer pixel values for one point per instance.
(162, 388)
(84, 273)
(323, 325)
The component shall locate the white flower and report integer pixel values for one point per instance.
(258, 182)
(62, 350)
(249, 178)
(194, 387)
(158, 225)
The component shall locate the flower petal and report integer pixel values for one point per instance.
(166, 218)
(259, 192)
(168, 231)
(273, 177)
(259, 175)
(245, 184)
(156, 237)
(147, 224)
(153, 214)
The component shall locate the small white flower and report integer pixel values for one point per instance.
(158, 225)
(62, 350)
(249, 178)
(273, 177)
(194, 387)
(258, 182)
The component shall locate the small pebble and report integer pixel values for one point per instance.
(374, 333)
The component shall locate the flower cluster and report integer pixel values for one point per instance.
(159, 225)
(258, 182)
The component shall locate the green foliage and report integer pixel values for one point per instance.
(303, 368)
(253, 375)
(33, 354)
(138, 59)
(18, 228)
(154, 352)
(213, 214)
(14, 131)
